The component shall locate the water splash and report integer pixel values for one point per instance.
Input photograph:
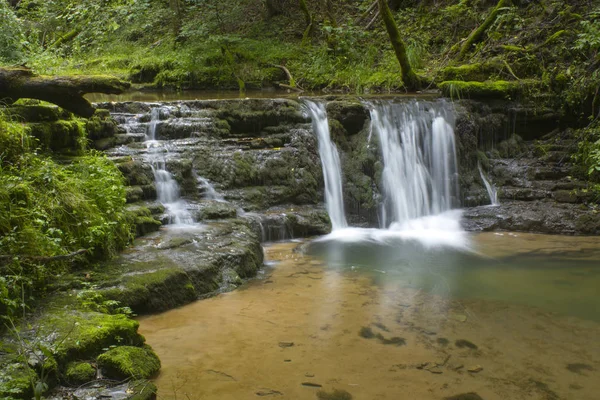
(419, 178)
(419, 156)
(167, 189)
(491, 189)
(330, 160)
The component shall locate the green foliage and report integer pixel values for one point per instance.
(587, 158)
(588, 40)
(11, 35)
(50, 209)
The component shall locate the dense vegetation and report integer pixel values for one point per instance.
(54, 210)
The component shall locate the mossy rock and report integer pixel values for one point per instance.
(78, 373)
(216, 210)
(485, 90)
(101, 125)
(154, 290)
(60, 135)
(33, 113)
(136, 172)
(79, 335)
(350, 113)
(125, 362)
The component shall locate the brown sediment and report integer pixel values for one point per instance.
(523, 351)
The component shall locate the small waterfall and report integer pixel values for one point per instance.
(209, 190)
(330, 160)
(167, 189)
(492, 191)
(419, 156)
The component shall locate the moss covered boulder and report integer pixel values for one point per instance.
(126, 362)
(73, 334)
(78, 373)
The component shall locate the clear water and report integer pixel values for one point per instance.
(392, 321)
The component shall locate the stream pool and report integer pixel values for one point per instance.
(514, 316)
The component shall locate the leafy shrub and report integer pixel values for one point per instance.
(11, 36)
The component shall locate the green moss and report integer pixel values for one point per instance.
(36, 113)
(154, 290)
(60, 135)
(476, 72)
(126, 362)
(485, 90)
(78, 373)
(80, 335)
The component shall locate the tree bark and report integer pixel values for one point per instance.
(475, 36)
(66, 92)
(409, 78)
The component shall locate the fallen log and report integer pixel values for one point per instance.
(64, 91)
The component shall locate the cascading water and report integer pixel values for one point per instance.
(330, 160)
(492, 191)
(167, 189)
(419, 157)
(419, 178)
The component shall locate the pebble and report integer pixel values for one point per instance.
(475, 368)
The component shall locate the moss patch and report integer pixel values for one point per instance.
(129, 362)
(80, 335)
(485, 90)
(78, 373)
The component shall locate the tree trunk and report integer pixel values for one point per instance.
(410, 79)
(66, 92)
(309, 21)
(476, 35)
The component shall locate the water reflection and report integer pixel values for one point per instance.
(390, 322)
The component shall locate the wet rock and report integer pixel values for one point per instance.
(366, 332)
(215, 210)
(465, 396)
(268, 392)
(351, 114)
(312, 384)
(336, 394)
(462, 343)
(475, 368)
(578, 368)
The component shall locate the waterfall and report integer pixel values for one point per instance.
(167, 189)
(330, 161)
(492, 191)
(419, 157)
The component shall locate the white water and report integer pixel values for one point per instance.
(419, 156)
(330, 160)
(419, 178)
(492, 191)
(167, 189)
